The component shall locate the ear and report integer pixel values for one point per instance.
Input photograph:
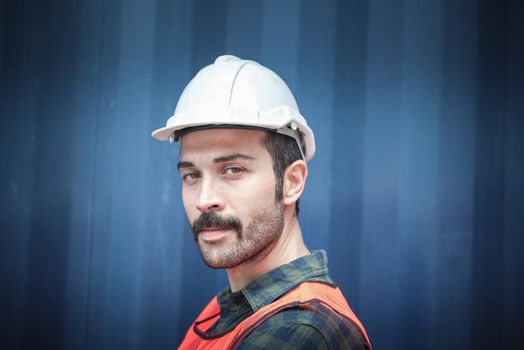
(294, 181)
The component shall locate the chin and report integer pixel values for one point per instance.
(215, 260)
(233, 256)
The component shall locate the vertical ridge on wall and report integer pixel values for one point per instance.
(418, 164)
(489, 181)
(51, 200)
(346, 196)
(455, 173)
(315, 75)
(381, 239)
(513, 264)
(95, 129)
(19, 80)
(83, 189)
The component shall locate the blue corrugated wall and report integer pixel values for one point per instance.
(416, 192)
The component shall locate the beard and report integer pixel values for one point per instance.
(250, 243)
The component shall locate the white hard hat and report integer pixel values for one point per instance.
(233, 92)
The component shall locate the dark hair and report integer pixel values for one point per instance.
(284, 150)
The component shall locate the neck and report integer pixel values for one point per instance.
(288, 247)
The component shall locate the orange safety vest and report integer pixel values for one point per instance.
(301, 296)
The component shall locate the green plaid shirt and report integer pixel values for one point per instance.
(317, 327)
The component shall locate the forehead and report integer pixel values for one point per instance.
(217, 142)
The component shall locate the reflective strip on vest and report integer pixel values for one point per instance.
(301, 296)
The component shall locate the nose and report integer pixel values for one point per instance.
(209, 198)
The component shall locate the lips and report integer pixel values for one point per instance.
(211, 234)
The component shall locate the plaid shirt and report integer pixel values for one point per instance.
(317, 327)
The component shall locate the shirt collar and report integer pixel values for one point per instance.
(268, 287)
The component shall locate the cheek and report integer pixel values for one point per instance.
(188, 202)
(264, 187)
(253, 195)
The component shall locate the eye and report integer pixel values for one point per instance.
(190, 177)
(233, 170)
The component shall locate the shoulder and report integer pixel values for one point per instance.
(316, 327)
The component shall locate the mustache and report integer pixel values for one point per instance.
(213, 220)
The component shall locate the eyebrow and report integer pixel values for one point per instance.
(232, 157)
(184, 164)
(228, 158)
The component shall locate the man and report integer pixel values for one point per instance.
(243, 152)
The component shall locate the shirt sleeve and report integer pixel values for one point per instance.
(284, 337)
(315, 328)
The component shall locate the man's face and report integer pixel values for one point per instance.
(228, 190)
